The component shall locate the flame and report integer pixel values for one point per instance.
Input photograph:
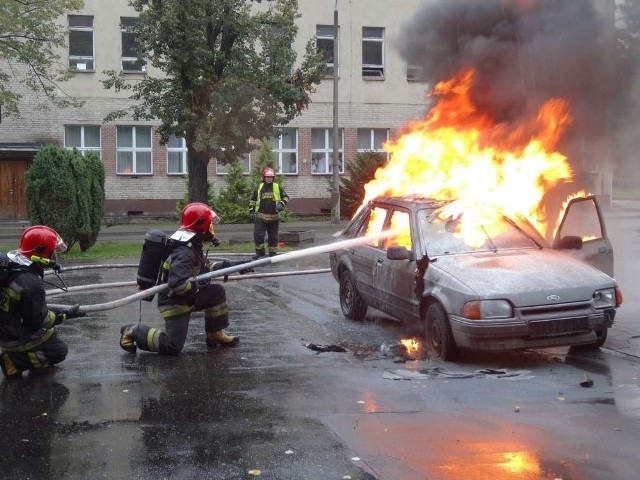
(410, 344)
(460, 152)
(565, 204)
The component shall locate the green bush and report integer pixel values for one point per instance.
(65, 191)
(52, 197)
(360, 171)
(95, 173)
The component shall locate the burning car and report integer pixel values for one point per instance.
(480, 282)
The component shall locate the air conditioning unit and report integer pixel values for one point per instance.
(414, 73)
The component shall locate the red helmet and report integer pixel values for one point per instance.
(41, 241)
(198, 218)
(268, 172)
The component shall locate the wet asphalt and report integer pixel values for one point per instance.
(272, 408)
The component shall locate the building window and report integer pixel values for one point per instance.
(373, 52)
(322, 150)
(324, 45)
(81, 49)
(84, 138)
(130, 62)
(176, 155)
(415, 73)
(285, 150)
(245, 161)
(371, 139)
(133, 150)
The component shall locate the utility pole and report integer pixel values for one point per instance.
(335, 193)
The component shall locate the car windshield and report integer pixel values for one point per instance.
(445, 235)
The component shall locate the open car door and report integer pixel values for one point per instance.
(582, 234)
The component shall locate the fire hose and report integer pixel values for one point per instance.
(284, 257)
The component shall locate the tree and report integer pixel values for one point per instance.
(29, 37)
(359, 172)
(228, 75)
(232, 203)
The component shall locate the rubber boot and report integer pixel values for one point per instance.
(8, 368)
(219, 337)
(259, 253)
(126, 338)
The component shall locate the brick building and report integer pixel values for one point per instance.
(145, 177)
(379, 92)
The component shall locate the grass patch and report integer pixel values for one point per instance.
(104, 250)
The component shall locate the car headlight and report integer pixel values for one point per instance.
(605, 298)
(487, 309)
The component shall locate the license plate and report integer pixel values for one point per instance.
(553, 328)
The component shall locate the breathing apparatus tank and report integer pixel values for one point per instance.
(154, 251)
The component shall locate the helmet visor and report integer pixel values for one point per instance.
(60, 245)
(215, 219)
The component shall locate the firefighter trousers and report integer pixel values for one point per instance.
(170, 341)
(34, 354)
(269, 229)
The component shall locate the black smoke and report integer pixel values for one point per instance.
(524, 52)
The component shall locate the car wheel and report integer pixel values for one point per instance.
(440, 341)
(351, 303)
(602, 337)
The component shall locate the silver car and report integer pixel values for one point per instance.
(511, 288)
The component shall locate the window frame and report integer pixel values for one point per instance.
(128, 59)
(327, 151)
(372, 144)
(278, 151)
(331, 68)
(83, 148)
(134, 149)
(246, 158)
(182, 150)
(79, 58)
(370, 67)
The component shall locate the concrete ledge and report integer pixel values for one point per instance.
(297, 236)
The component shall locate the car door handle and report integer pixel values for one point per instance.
(603, 250)
(380, 261)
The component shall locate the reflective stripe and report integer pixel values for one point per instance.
(9, 366)
(150, 340)
(216, 311)
(12, 347)
(170, 311)
(35, 361)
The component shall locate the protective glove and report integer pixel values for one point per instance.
(66, 313)
(279, 206)
(246, 270)
(215, 242)
(252, 217)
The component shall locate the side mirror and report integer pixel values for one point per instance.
(400, 253)
(570, 242)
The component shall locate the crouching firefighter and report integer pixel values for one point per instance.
(28, 338)
(184, 260)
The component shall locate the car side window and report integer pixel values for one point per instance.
(399, 223)
(373, 224)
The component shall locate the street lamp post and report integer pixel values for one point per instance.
(335, 193)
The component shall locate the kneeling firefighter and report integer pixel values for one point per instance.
(28, 339)
(185, 259)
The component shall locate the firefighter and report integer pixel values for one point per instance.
(28, 337)
(185, 260)
(267, 201)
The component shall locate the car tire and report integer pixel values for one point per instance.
(602, 337)
(351, 303)
(438, 335)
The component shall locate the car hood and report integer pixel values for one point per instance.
(526, 277)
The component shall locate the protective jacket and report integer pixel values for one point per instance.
(264, 200)
(185, 261)
(25, 319)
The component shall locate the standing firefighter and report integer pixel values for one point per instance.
(267, 201)
(184, 261)
(28, 339)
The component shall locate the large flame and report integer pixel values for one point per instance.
(459, 152)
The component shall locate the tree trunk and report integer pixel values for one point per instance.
(197, 163)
